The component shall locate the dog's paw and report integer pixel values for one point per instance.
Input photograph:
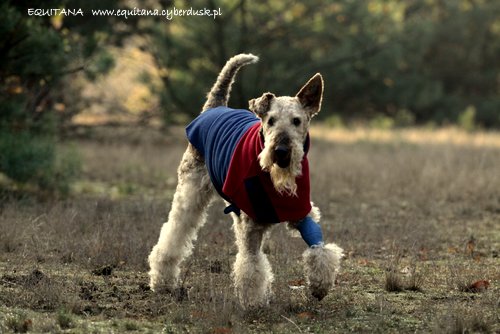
(161, 284)
(321, 266)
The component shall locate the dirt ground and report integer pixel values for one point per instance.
(419, 220)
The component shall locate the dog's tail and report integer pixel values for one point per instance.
(219, 94)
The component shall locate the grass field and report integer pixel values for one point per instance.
(417, 212)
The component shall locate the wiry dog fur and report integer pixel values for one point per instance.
(285, 122)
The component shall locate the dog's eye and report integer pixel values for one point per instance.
(270, 121)
(296, 121)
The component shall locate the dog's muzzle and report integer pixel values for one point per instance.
(282, 156)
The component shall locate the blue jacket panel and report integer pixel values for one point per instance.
(215, 134)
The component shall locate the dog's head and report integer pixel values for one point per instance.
(285, 124)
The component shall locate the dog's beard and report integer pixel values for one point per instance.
(283, 179)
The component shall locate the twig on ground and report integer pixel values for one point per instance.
(291, 321)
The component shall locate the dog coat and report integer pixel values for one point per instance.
(230, 142)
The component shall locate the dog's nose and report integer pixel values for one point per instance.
(282, 156)
(281, 151)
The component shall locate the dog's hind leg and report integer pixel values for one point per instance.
(252, 273)
(187, 214)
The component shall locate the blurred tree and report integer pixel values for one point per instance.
(36, 53)
(459, 62)
(418, 60)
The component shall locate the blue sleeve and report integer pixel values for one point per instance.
(310, 232)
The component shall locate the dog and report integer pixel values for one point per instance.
(256, 160)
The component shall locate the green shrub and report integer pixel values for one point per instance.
(65, 319)
(382, 122)
(67, 167)
(25, 158)
(334, 121)
(131, 326)
(404, 118)
(30, 158)
(467, 119)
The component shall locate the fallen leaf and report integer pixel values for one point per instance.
(27, 325)
(297, 283)
(478, 286)
(199, 315)
(364, 262)
(221, 330)
(423, 254)
(305, 315)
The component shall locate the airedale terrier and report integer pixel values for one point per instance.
(257, 162)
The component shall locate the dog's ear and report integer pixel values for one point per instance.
(311, 94)
(261, 105)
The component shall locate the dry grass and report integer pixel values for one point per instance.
(411, 215)
(423, 136)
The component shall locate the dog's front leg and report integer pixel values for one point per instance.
(321, 262)
(252, 273)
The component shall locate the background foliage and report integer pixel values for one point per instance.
(420, 60)
(391, 62)
(37, 54)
